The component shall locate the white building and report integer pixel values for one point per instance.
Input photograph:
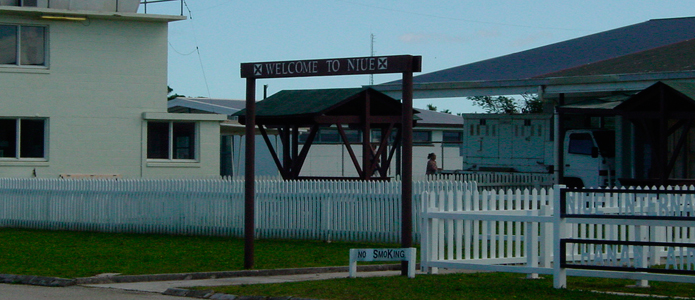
(84, 87)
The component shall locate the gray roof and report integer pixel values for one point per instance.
(549, 65)
(426, 117)
(201, 105)
(430, 118)
(572, 53)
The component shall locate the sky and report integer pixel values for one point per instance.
(207, 49)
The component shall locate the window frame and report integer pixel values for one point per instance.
(19, 48)
(175, 147)
(20, 139)
(580, 143)
(331, 136)
(448, 142)
(23, 3)
(427, 141)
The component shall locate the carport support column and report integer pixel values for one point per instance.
(407, 171)
(250, 173)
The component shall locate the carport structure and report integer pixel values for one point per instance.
(362, 109)
(660, 139)
(615, 63)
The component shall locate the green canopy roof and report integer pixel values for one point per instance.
(302, 102)
(302, 105)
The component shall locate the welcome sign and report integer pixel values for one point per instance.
(333, 66)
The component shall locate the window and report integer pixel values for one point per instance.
(332, 136)
(376, 136)
(580, 143)
(171, 140)
(329, 136)
(422, 137)
(22, 45)
(22, 138)
(452, 138)
(31, 3)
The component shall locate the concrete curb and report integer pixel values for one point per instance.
(36, 280)
(63, 282)
(228, 274)
(209, 294)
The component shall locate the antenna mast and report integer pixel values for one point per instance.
(371, 53)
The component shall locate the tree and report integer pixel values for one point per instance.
(532, 104)
(171, 96)
(508, 105)
(434, 108)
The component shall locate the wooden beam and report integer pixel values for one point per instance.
(273, 153)
(366, 139)
(679, 147)
(353, 157)
(298, 161)
(250, 175)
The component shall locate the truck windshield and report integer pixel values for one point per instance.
(606, 142)
(580, 143)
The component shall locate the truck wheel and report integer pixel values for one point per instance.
(573, 182)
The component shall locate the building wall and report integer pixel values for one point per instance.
(102, 75)
(333, 160)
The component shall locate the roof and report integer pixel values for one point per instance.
(426, 118)
(120, 16)
(609, 102)
(304, 103)
(680, 96)
(429, 118)
(653, 44)
(671, 58)
(572, 53)
(218, 106)
(677, 97)
(685, 88)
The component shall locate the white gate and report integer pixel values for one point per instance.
(632, 234)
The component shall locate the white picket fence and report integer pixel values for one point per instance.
(497, 180)
(318, 210)
(474, 230)
(518, 231)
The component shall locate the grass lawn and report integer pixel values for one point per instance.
(80, 254)
(455, 286)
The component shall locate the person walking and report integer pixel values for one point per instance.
(431, 164)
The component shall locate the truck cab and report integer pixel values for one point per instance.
(589, 158)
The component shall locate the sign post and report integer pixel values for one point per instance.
(405, 64)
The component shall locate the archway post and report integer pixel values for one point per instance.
(404, 64)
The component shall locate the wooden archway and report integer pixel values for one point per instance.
(364, 109)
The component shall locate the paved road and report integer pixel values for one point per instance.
(152, 290)
(29, 292)
(161, 286)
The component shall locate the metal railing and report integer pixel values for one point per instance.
(145, 2)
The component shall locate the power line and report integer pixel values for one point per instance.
(197, 48)
(459, 19)
(181, 53)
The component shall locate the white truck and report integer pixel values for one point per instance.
(524, 143)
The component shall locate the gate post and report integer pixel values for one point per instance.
(559, 233)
